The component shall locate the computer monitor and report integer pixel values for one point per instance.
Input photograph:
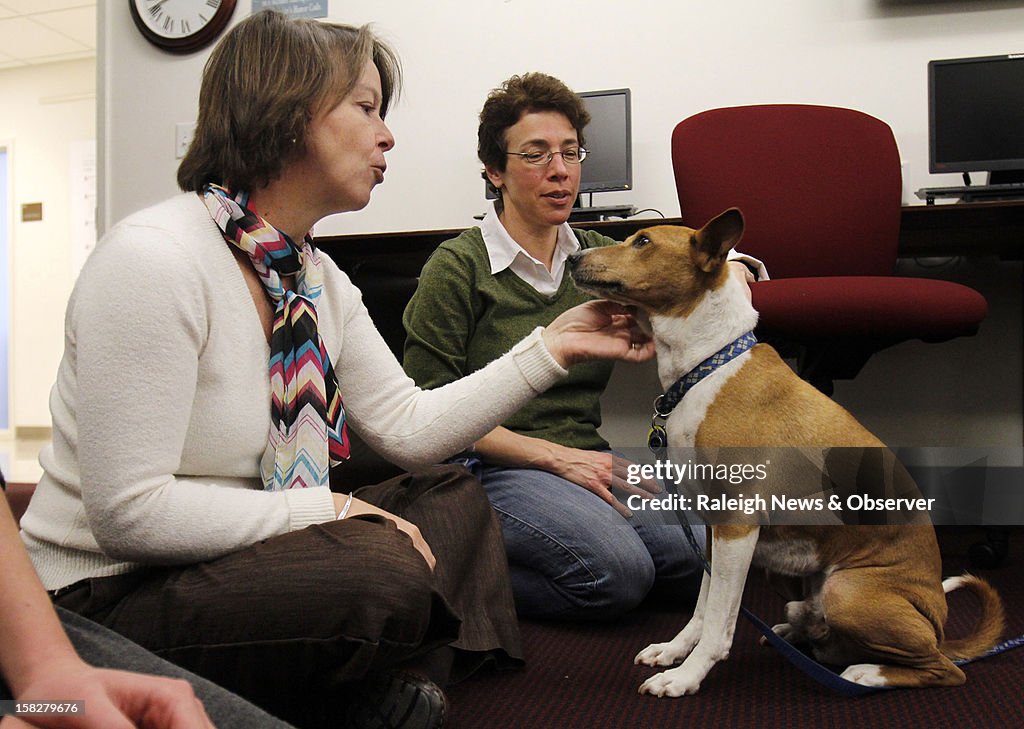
(609, 141)
(976, 115)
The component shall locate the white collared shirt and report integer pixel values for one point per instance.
(504, 252)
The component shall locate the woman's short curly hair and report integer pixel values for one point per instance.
(531, 92)
(263, 83)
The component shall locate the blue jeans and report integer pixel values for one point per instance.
(571, 555)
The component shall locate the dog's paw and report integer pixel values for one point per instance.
(661, 654)
(674, 682)
(866, 674)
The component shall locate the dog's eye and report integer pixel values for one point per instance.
(640, 241)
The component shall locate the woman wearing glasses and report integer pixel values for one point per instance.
(574, 549)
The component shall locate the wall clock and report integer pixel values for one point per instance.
(181, 26)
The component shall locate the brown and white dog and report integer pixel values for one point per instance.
(869, 597)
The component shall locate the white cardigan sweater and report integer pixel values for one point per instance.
(161, 407)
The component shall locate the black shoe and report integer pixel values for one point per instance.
(396, 700)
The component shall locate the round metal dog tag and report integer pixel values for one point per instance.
(657, 438)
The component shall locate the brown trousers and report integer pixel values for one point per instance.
(290, 621)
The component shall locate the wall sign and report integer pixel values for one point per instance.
(294, 8)
(31, 212)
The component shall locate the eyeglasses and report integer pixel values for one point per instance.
(571, 156)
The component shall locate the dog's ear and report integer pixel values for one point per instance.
(712, 243)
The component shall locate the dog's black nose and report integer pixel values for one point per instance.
(574, 259)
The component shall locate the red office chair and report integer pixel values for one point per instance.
(820, 191)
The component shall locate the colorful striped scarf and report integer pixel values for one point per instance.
(307, 431)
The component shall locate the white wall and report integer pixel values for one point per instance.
(44, 111)
(678, 58)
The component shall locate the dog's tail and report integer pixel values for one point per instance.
(989, 627)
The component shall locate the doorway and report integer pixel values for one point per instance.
(5, 294)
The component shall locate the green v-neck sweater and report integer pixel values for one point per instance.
(462, 317)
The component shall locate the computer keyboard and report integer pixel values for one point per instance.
(601, 212)
(973, 192)
(594, 212)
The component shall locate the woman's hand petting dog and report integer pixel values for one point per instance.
(742, 274)
(597, 330)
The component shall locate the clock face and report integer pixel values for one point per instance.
(181, 26)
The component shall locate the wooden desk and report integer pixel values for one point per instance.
(962, 229)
